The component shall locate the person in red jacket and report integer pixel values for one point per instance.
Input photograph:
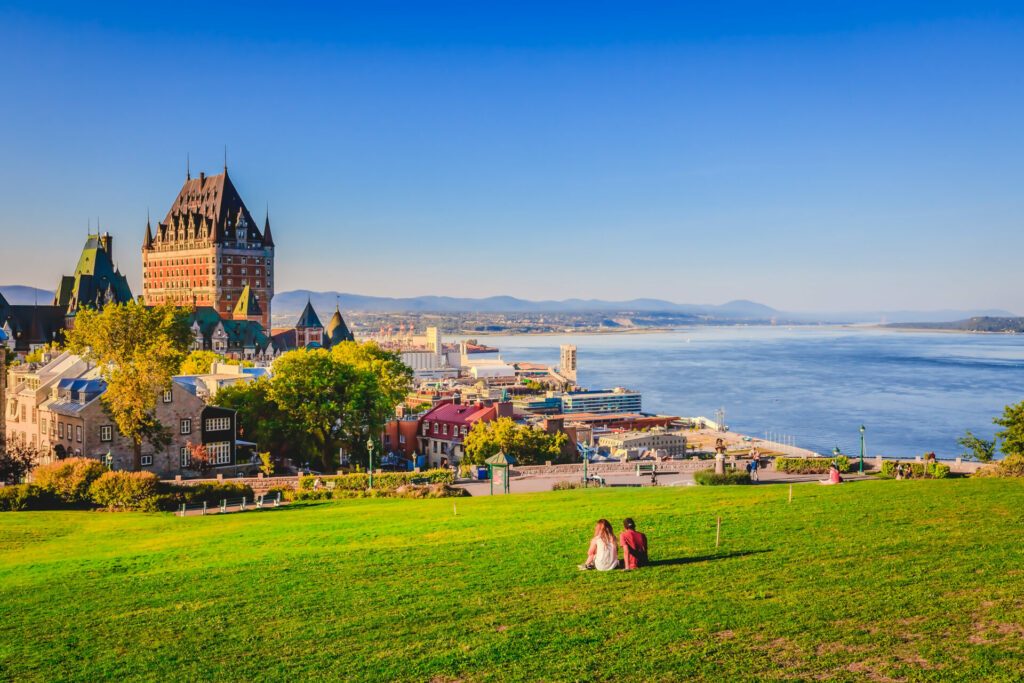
(634, 545)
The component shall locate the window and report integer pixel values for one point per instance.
(426, 427)
(168, 395)
(106, 433)
(218, 424)
(184, 457)
(60, 429)
(444, 430)
(435, 428)
(186, 426)
(401, 438)
(220, 453)
(147, 460)
(78, 433)
(464, 430)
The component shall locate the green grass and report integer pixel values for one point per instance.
(881, 580)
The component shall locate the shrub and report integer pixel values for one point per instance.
(26, 497)
(936, 470)
(565, 485)
(1010, 466)
(811, 465)
(387, 481)
(711, 478)
(125, 491)
(68, 480)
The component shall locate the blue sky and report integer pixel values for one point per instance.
(804, 156)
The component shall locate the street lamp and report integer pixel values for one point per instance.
(862, 449)
(369, 447)
(836, 452)
(586, 457)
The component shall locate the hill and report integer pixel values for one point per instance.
(975, 324)
(879, 580)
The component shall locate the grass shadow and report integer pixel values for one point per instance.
(704, 558)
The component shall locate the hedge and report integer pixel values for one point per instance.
(387, 481)
(936, 470)
(730, 478)
(126, 491)
(811, 465)
(26, 497)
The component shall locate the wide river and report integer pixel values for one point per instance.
(914, 392)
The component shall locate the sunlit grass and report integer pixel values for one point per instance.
(885, 580)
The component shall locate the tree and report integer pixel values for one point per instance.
(200, 362)
(16, 459)
(982, 450)
(527, 445)
(381, 382)
(1012, 436)
(261, 419)
(313, 390)
(199, 458)
(138, 349)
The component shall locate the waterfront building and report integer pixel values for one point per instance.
(670, 443)
(618, 400)
(208, 250)
(567, 362)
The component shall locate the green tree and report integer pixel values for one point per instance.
(1012, 436)
(976, 448)
(313, 390)
(16, 459)
(527, 445)
(138, 349)
(380, 382)
(261, 419)
(200, 362)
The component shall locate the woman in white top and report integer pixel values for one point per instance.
(604, 552)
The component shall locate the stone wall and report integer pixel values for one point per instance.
(258, 484)
(611, 468)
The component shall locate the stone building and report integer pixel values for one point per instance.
(670, 443)
(208, 251)
(56, 407)
(309, 332)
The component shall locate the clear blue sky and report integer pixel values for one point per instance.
(796, 154)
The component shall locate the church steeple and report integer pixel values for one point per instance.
(268, 239)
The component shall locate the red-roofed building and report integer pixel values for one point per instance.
(444, 427)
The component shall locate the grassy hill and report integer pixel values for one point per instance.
(878, 580)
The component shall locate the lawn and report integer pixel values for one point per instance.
(879, 580)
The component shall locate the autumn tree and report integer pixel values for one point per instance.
(199, 458)
(200, 362)
(527, 445)
(137, 349)
(16, 459)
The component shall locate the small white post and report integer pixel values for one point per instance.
(790, 493)
(718, 532)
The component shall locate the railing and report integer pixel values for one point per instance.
(227, 504)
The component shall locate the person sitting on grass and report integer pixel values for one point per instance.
(603, 554)
(634, 545)
(833, 475)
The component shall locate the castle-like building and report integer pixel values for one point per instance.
(209, 252)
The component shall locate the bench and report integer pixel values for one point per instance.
(596, 478)
(646, 468)
(628, 486)
(419, 481)
(275, 500)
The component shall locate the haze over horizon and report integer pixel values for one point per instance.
(803, 157)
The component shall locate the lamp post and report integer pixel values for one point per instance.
(862, 429)
(369, 447)
(586, 457)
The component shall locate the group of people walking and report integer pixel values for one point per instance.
(603, 554)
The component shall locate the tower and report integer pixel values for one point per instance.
(208, 251)
(567, 361)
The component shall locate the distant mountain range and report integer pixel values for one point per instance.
(289, 304)
(975, 324)
(295, 300)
